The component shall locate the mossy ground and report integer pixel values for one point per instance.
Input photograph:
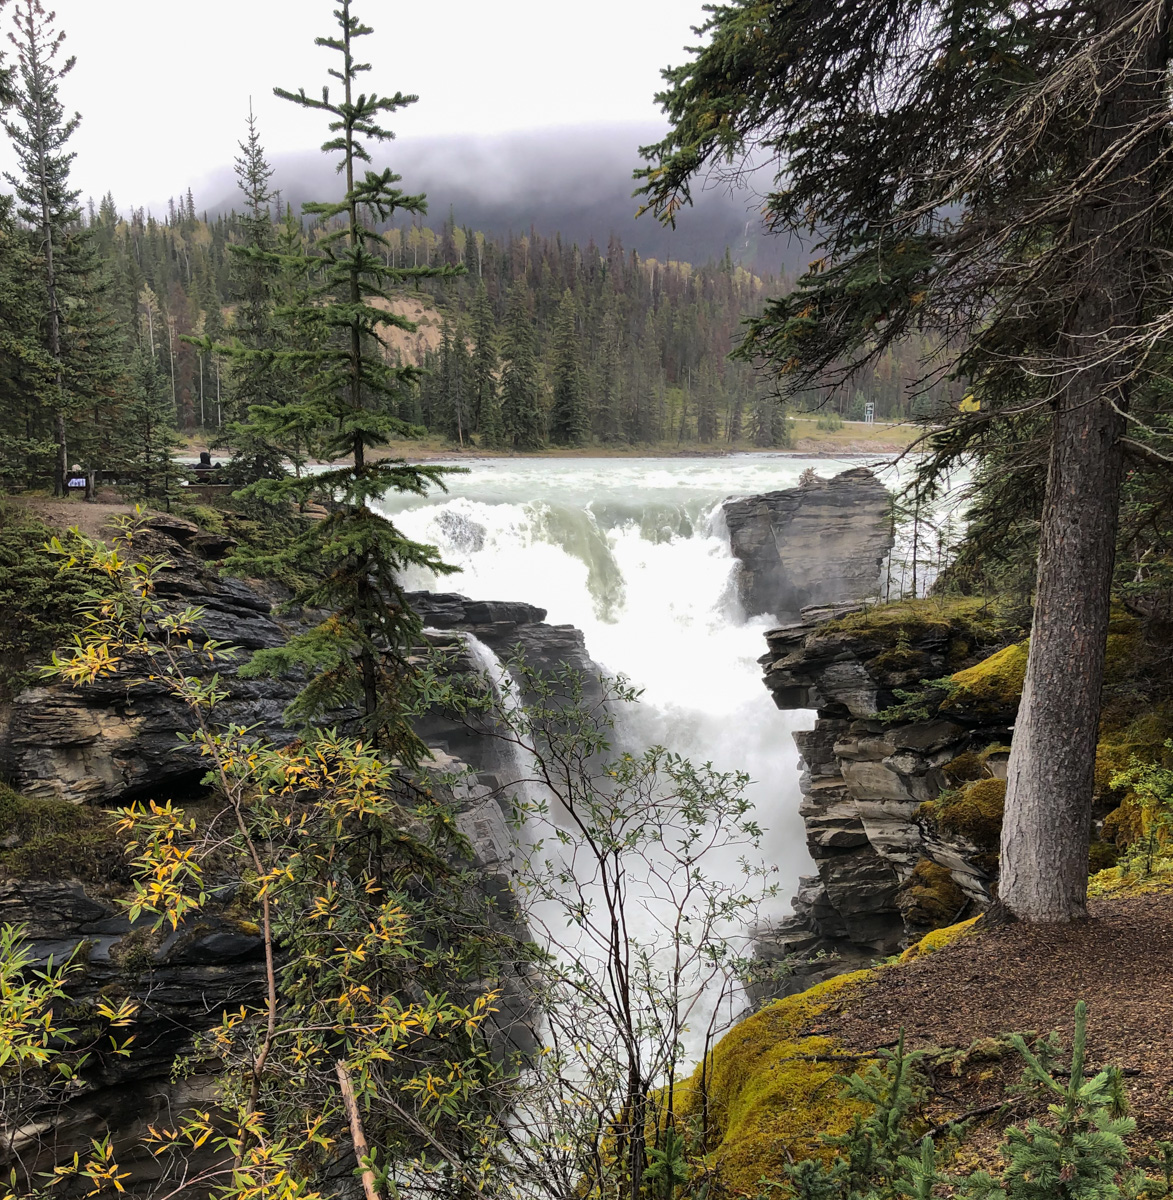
(939, 939)
(965, 622)
(1118, 881)
(773, 1081)
(771, 1084)
(775, 1078)
(53, 839)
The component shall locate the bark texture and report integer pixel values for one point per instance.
(1046, 830)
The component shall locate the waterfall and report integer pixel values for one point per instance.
(635, 553)
(519, 771)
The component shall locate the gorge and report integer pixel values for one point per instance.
(642, 568)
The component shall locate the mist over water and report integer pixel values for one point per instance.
(634, 552)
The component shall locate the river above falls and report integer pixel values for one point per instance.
(634, 553)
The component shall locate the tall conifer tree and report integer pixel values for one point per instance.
(570, 423)
(522, 418)
(262, 383)
(998, 175)
(355, 556)
(40, 131)
(483, 368)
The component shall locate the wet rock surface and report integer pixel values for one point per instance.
(117, 738)
(823, 542)
(864, 782)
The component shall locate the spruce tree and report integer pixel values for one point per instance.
(295, 424)
(355, 556)
(260, 384)
(610, 396)
(569, 418)
(148, 431)
(522, 418)
(40, 131)
(483, 370)
(995, 175)
(706, 407)
(27, 448)
(454, 380)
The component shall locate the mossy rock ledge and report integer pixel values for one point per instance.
(905, 770)
(772, 1081)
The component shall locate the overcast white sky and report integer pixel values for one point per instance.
(163, 87)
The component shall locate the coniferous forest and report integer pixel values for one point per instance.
(118, 322)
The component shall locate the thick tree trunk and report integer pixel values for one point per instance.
(1048, 804)
(1050, 784)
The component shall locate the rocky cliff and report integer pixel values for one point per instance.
(68, 752)
(114, 742)
(901, 797)
(181, 980)
(823, 542)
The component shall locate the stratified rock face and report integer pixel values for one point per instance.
(111, 741)
(864, 780)
(183, 980)
(506, 628)
(824, 542)
(117, 739)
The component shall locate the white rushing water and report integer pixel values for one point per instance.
(634, 553)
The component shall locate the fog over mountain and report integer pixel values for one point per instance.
(575, 181)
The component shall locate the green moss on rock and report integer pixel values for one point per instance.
(53, 839)
(930, 898)
(965, 768)
(967, 621)
(939, 939)
(992, 688)
(973, 812)
(773, 1081)
(768, 1102)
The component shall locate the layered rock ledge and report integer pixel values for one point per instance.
(823, 542)
(116, 740)
(875, 765)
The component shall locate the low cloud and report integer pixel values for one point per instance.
(575, 181)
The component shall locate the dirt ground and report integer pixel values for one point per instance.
(1029, 978)
(91, 517)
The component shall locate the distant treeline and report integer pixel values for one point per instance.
(594, 343)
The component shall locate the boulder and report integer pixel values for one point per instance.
(822, 543)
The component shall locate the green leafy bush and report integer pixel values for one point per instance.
(37, 602)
